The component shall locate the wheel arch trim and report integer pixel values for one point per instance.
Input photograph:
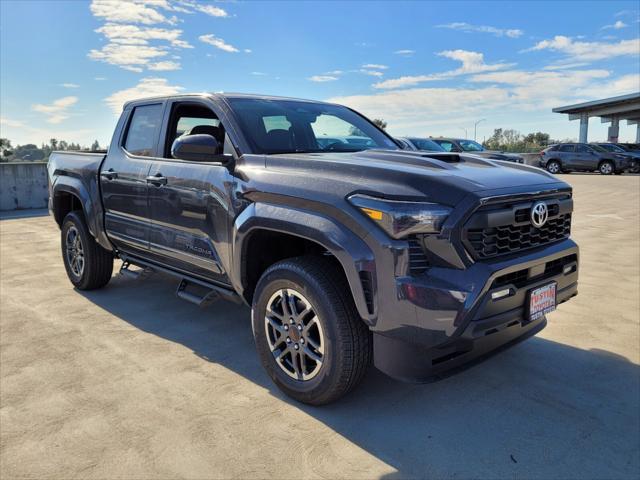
(93, 213)
(353, 254)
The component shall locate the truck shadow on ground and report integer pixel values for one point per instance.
(541, 409)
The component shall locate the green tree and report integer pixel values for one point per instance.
(5, 149)
(95, 146)
(380, 123)
(29, 152)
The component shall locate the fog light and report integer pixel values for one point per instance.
(501, 294)
(568, 269)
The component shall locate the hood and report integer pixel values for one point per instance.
(439, 176)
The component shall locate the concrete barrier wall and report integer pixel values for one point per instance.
(23, 185)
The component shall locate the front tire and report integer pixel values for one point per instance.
(606, 168)
(553, 166)
(88, 265)
(309, 336)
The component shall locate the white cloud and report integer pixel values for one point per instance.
(373, 73)
(100, 79)
(334, 72)
(135, 35)
(588, 51)
(69, 85)
(7, 122)
(498, 32)
(472, 62)
(211, 39)
(322, 78)
(164, 66)
(543, 89)
(135, 42)
(57, 111)
(146, 87)
(564, 65)
(514, 95)
(129, 57)
(405, 53)
(130, 11)
(375, 66)
(411, 110)
(211, 10)
(616, 26)
(259, 74)
(248, 50)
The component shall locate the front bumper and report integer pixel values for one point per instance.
(446, 318)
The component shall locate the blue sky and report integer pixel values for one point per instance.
(427, 68)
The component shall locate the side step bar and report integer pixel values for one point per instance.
(202, 296)
(192, 289)
(126, 271)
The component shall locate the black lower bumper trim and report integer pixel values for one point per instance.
(413, 363)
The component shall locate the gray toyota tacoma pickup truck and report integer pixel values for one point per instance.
(348, 252)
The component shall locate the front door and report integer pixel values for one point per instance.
(123, 179)
(189, 202)
(586, 158)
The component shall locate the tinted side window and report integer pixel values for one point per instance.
(583, 149)
(448, 146)
(566, 148)
(143, 130)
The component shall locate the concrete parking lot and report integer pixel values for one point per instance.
(130, 382)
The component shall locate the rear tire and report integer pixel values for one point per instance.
(606, 168)
(88, 265)
(318, 356)
(553, 166)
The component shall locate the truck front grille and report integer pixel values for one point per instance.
(506, 229)
(418, 262)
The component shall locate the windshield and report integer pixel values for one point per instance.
(426, 144)
(471, 146)
(612, 148)
(289, 126)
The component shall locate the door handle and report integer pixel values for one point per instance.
(158, 180)
(109, 174)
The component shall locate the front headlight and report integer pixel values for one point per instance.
(402, 218)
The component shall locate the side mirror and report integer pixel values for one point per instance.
(196, 148)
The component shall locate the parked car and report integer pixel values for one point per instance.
(569, 157)
(615, 148)
(630, 147)
(423, 144)
(470, 146)
(345, 251)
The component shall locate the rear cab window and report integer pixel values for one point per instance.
(566, 148)
(142, 133)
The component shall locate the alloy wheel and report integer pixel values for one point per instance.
(75, 251)
(294, 334)
(606, 168)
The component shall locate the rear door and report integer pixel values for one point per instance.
(567, 155)
(123, 177)
(190, 202)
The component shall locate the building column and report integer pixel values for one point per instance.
(638, 132)
(614, 130)
(584, 128)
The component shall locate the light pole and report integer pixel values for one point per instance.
(465, 132)
(475, 128)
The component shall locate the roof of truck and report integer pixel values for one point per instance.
(221, 95)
